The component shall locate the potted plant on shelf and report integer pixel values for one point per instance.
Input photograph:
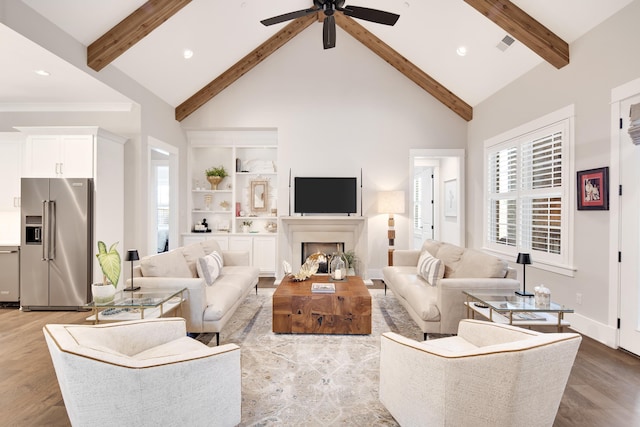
(215, 175)
(246, 226)
(103, 293)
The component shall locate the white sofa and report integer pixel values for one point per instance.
(490, 375)
(206, 308)
(438, 309)
(144, 373)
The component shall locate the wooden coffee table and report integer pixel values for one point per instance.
(296, 310)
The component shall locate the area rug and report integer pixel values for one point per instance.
(311, 380)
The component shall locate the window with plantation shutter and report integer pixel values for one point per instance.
(528, 194)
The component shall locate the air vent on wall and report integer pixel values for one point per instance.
(505, 43)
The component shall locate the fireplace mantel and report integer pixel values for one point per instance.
(293, 230)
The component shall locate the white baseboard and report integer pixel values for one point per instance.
(600, 332)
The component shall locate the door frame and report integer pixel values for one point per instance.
(174, 195)
(457, 155)
(618, 96)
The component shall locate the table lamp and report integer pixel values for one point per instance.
(524, 259)
(391, 202)
(132, 255)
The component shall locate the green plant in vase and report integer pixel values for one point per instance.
(110, 264)
(352, 259)
(215, 175)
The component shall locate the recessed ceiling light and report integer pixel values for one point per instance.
(42, 72)
(461, 51)
(407, 4)
(187, 53)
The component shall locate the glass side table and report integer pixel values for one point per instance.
(509, 308)
(141, 304)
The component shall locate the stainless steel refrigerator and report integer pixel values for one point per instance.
(56, 246)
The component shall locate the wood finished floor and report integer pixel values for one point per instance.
(603, 389)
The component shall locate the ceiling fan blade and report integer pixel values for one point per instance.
(373, 15)
(329, 32)
(288, 16)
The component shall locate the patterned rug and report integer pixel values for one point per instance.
(311, 380)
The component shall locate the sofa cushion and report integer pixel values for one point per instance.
(221, 298)
(430, 268)
(208, 269)
(167, 264)
(478, 264)
(209, 246)
(192, 253)
(422, 298)
(218, 259)
(451, 255)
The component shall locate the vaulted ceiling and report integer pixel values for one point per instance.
(146, 40)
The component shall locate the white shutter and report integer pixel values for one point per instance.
(502, 179)
(541, 193)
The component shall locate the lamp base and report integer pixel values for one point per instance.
(524, 293)
(132, 289)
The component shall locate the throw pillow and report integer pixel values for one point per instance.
(430, 268)
(208, 269)
(218, 257)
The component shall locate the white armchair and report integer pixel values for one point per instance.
(144, 373)
(488, 375)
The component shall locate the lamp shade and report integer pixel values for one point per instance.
(391, 202)
(523, 258)
(132, 255)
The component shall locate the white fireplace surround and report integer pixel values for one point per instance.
(294, 230)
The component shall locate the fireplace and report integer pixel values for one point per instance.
(294, 230)
(324, 249)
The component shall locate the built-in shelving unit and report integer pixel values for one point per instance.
(250, 158)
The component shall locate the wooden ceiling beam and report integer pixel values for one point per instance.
(243, 66)
(403, 65)
(130, 31)
(524, 28)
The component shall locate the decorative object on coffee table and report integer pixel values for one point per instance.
(132, 255)
(391, 202)
(524, 259)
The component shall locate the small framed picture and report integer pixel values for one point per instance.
(451, 198)
(593, 189)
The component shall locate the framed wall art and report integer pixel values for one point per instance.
(451, 198)
(593, 189)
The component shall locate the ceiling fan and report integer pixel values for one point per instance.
(329, 7)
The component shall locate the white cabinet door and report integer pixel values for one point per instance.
(76, 156)
(56, 156)
(42, 156)
(10, 171)
(264, 254)
(240, 243)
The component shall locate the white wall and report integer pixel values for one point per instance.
(338, 111)
(603, 59)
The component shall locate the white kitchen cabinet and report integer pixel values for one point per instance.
(59, 156)
(10, 171)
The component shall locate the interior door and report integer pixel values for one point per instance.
(629, 235)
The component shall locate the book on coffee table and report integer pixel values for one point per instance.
(323, 288)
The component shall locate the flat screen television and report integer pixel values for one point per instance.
(325, 195)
